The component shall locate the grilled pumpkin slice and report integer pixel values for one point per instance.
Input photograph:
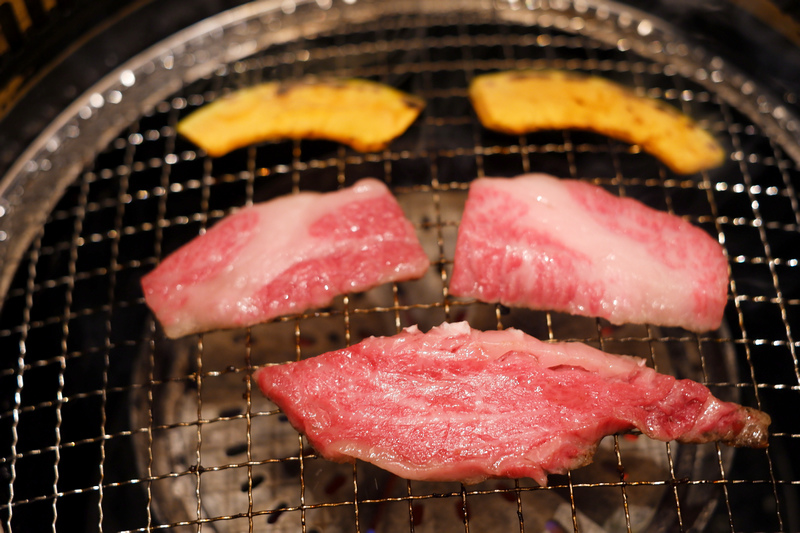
(362, 114)
(524, 101)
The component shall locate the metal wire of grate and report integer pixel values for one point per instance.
(105, 425)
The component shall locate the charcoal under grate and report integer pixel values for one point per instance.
(106, 425)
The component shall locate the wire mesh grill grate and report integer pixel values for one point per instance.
(105, 425)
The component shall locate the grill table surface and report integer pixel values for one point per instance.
(105, 425)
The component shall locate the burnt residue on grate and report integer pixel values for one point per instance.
(107, 425)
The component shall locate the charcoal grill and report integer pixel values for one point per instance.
(105, 425)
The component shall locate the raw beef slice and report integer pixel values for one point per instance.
(557, 244)
(285, 256)
(457, 404)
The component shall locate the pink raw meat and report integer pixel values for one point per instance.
(285, 256)
(545, 243)
(457, 404)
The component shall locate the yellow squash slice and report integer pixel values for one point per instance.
(523, 101)
(362, 114)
